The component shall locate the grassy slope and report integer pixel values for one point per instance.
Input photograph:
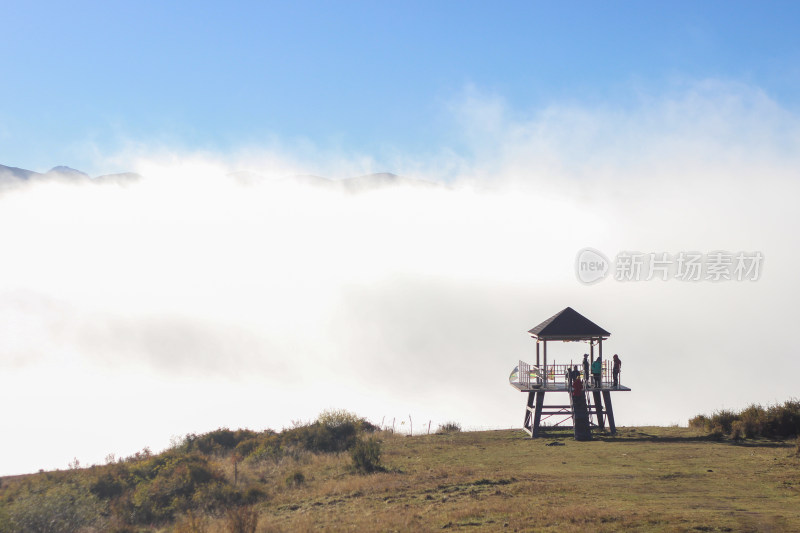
(646, 479)
(662, 479)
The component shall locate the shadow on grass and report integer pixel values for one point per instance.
(627, 435)
(641, 436)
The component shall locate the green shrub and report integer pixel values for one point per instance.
(213, 496)
(242, 519)
(191, 522)
(325, 438)
(147, 490)
(253, 493)
(737, 430)
(700, 422)
(723, 419)
(267, 448)
(167, 484)
(366, 455)
(295, 479)
(218, 441)
(449, 427)
(340, 417)
(783, 421)
(337, 417)
(751, 421)
(106, 487)
(778, 421)
(246, 447)
(62, 508)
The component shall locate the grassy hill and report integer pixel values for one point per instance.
(306, 479)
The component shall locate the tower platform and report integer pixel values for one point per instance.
(541, 379)
(562, 387)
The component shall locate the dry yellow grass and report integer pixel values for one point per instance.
(645, 479)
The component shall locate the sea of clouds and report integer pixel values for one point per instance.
(198, 296)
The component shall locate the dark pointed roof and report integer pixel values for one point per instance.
(568, 325)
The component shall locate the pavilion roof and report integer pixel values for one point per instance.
(568, 325)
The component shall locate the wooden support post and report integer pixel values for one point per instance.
(609, 412)
(537, 417)
(598, 406)
(591, 351)
(526, 424)
(600, 355)
(545, 363)
(537, 353)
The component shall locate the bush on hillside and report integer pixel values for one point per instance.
(333, 431)
(182, 484)
(215, 442)
(366, 455)
(267, 448)
(242, 519)
(322, 438)
(168, 484)
(339, 417)
(701, 422)
(449, 427)
(778, 422)
(61, 508)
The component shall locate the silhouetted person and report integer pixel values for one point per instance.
(577, 387)
(597, 370)
(586, 367)
(615, 370)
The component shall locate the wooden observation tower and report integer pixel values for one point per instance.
(594, 401)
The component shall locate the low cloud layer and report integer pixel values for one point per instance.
(190, 298)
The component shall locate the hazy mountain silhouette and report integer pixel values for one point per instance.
(314, 181)
(381, 180)
(120, 177)
(355, 185)
(10, 176)
(12, 173)
(66, 171)
(360, 184)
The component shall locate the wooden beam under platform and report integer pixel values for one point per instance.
(600, 408)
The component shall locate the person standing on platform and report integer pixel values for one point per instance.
(577, 386)
(615, 369)
(597, 369)
(586, 367)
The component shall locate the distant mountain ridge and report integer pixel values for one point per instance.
(367, 182)
(11, 176)
(67, 171)
(17, 173)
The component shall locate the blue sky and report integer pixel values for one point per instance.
(656, 128)
(362, 78)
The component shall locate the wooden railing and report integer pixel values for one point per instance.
(558, 373)
(524, 374)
